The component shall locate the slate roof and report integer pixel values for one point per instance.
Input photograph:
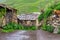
(28, 16)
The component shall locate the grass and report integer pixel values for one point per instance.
(46, 14)
(59, 30)
(48, 28)
(6, 31)
(26, 6)
(13, 26)
(29, 5)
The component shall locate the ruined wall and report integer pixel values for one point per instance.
(27, 22)
(14, 17)
(10, 16)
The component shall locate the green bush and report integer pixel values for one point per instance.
(48, 28)
(57, 7)
(48, 12)
(59, 30)
(2, 12)
(40, 17)
(30, 27)
(9, 30)
(13, 26)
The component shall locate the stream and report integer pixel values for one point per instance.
(29, 35)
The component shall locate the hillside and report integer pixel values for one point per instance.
(24, 6)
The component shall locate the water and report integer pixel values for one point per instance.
(18, 35)
(29, 35)
(43, 35)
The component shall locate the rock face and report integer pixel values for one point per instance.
(54, 21)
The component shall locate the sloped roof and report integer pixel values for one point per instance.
(5, 6)
(28, 16)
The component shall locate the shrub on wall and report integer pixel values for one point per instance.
(40, 17)
(46, 14)
(48, 28)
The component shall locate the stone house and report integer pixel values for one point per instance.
(28, 19)
(10, 14)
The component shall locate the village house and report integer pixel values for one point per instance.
(29, 19)
(10, 14)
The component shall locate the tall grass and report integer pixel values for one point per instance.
(46, 14)
(14, 26)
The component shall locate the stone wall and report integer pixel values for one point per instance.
(27, 22)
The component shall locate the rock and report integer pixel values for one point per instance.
(55, 30)
(55, 22)
(53, 16)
